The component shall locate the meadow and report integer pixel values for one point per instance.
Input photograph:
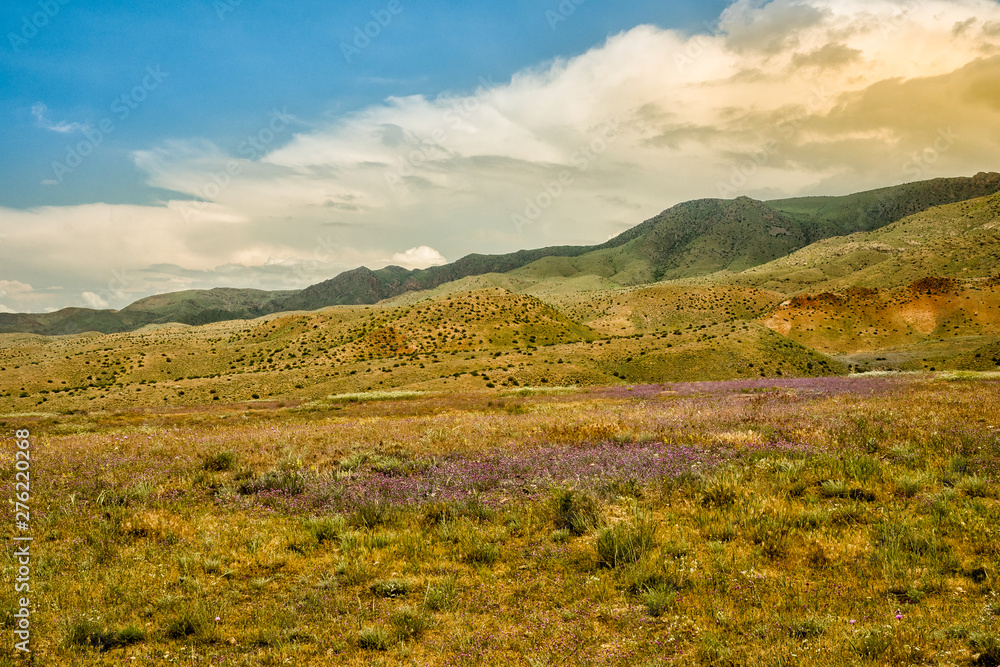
(813, 521)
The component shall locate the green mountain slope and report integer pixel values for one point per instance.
(957, 240)
(692, 239)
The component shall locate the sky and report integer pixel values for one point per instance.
(151, 147)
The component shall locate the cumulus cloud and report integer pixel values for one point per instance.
(419, 258)
(94, 301)
(785, 97)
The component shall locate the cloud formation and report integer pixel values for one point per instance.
(785, 97)
(40, 112)
(419, 258)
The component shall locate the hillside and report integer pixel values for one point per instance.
(686, 241)
(929, 324)
(488, 339)
(958, 240)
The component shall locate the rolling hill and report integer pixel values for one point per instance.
(691, 239)
(959, 240)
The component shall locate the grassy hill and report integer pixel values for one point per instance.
(958, 240)
(483, 340)
(688, 240)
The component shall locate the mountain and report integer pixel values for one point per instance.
(689, 240)
(954, 241)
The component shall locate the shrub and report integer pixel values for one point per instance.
(986, 647)
(371, 514)
(910, 485)
(220, 462)
(390, 588)
(478, 551)
(871, 644)
(713, 652)
(658, 601)
(623, 544)
(85, 632)
(720, 493)
(574, 511)
(807, 628)
(188, 624)
(287, 481)
(327, 529)
(375, 639)
(561, 536)
(975, 487)
(443, 595)
(409, 622)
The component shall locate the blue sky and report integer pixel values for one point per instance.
(230, 62)
(153, 147)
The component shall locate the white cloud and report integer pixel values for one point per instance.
(788, 97)
(419, 258)
(14, 288)
(40, 112)
(49, 181)
(6, 309)
(94, 301)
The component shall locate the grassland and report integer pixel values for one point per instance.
(484, 339)
(823, 521)
(550, 465)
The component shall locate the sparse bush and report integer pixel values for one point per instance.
(871, 644)
(88, 633)
(622, 544)
(976, 487)
(390, 588)
(326, 529)
(374, 639)
(574, 511)
(220, 462)
(409, 622)
(806, 628)
(720, 493)
(290, 482)
(659, 601)
(189, 623)
(910, 485)
(985, 647)
(713, 653)
(958, 465)
(443, 595)
(372, 514)
(561, 536)
(479, 551)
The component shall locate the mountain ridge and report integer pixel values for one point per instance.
(689, 239)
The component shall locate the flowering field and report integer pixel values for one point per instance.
(823, 521)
